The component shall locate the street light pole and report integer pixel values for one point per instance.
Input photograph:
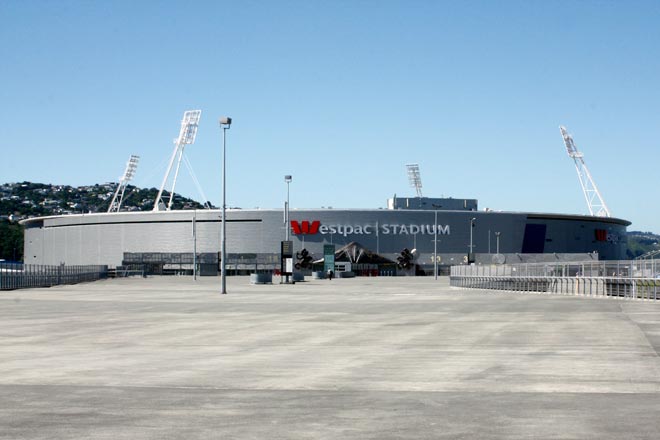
(225, 124)
(435, 247)
(471, 254)
(287, 179)
(194, 231)
(497, 241)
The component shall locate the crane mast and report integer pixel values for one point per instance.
(595, 202)
(187, 134)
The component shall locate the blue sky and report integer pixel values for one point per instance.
(341, 95)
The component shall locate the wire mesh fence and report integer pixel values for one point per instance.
(638, 279)
(21, 276)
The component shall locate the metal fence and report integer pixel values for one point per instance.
(638, 279)
(21, 276)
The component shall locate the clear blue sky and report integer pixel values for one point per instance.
(341, 95)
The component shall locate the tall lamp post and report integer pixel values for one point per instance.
(471, 254)
(287, 179)
(435, 247)
(225, 124)
(194, 231)
(497, 243)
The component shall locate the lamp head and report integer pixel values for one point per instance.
(287, 178)
(224, 120)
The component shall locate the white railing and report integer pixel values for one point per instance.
(620, 279)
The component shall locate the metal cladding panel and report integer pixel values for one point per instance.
(33, 246)
(583, 235)
(534, 240)
(103, 238)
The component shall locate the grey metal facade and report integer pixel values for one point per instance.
(103, 238)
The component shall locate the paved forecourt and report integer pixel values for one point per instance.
(375, 358)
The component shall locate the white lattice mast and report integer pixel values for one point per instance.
(129, 172)
(595, 202)
(414, 178)
(189, 125)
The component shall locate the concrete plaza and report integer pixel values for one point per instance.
(367, 358)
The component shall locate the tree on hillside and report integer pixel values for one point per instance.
(11, 241)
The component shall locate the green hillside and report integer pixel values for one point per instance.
(640, 243)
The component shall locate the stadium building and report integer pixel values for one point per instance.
(423, 231)
(452, 230)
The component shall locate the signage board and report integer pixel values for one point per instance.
(307, 227)
(286, 258)
(328, 257)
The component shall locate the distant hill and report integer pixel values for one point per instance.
(27, 199)
(640, 243)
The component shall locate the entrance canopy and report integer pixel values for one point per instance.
(355, 253)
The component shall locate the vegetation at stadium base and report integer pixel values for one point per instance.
(26, 199)
(11, 241)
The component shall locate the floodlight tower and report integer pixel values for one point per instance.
(414, 178)
(129, 172)
(189, 125)
(595, 202)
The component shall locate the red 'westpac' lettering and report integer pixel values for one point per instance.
(305, 227)
(601, 235)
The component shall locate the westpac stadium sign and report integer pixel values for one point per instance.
(605, 235)
(306, 227)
